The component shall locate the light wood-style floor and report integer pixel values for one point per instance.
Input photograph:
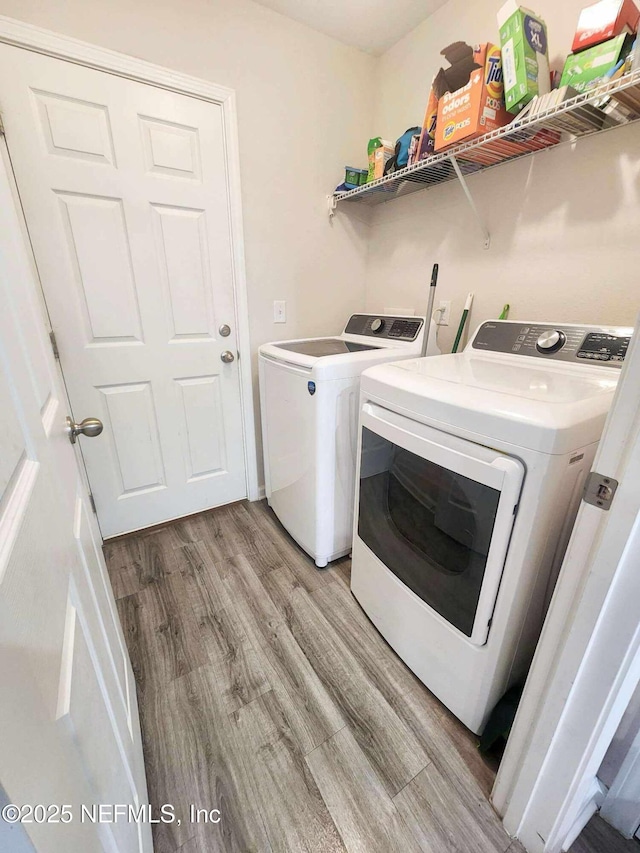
(266, 693)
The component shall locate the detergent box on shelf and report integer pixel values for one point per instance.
(472, 103)
(379, 151)
(602, 21)
(588, 68)
(427, 141)
(525, 55)
(354, 177)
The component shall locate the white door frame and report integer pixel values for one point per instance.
(587, 664)
(52, 44)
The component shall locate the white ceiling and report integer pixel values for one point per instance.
(371, 25)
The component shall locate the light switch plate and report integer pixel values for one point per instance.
(279, 311)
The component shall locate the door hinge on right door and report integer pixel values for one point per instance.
(93, 504)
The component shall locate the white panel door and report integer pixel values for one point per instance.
(125, 194)
(69, 730)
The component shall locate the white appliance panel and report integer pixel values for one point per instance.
(451, 548)
(288, 416)
(309, 393)
(495, 401)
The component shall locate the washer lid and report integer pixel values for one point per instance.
(552, 407)
(321, 347)
(545, 384)
(332, 358)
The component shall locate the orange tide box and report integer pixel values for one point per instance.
(477, 105)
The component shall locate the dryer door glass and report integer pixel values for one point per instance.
(431, 526)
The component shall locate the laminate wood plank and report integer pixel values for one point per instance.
(293, 812)
(178, 533)
(263, 562)
(135, 563)
(205, 590)
(118, 558)
(244, 585)
(390, 746)
(197, 759)
(191, 846)
(460, 748)
(516, 847)
(308, 575)
(230, 530)
(253, 529)
(161, 633)
(600, 837)
(167, 765)
(312, 714)
(311, 711)
(342, 570)
(239, 671)
(265, 517)
(377, 659)
(366, 817)
(299, 562)
(444, 820)
(438, 731)
(296, 558)
(240, 675)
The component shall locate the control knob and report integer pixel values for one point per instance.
(377, 325)
(551, 341)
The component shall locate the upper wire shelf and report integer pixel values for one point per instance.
(613, 104)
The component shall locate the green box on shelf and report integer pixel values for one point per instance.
(588, 68)
(355, 177)
(525, 55)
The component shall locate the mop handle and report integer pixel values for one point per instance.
(463, 320)
(432, 296)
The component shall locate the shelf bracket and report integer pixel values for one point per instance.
(331, 206)
(472, 204)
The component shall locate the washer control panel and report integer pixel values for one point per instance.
(563, 342)
(384, 326)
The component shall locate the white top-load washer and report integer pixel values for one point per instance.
(309, 402)
(471, 469)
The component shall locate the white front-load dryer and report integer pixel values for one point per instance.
(471, 469)
(309, 396)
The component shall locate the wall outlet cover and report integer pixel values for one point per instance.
(442, 313)
(279, 311)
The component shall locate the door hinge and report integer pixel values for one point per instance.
(599, 490)
(1, 126)
(93, 504)
(54, 345)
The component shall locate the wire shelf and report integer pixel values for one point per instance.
(613, 104)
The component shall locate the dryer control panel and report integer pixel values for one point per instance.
(601, 345)
(384, 326)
